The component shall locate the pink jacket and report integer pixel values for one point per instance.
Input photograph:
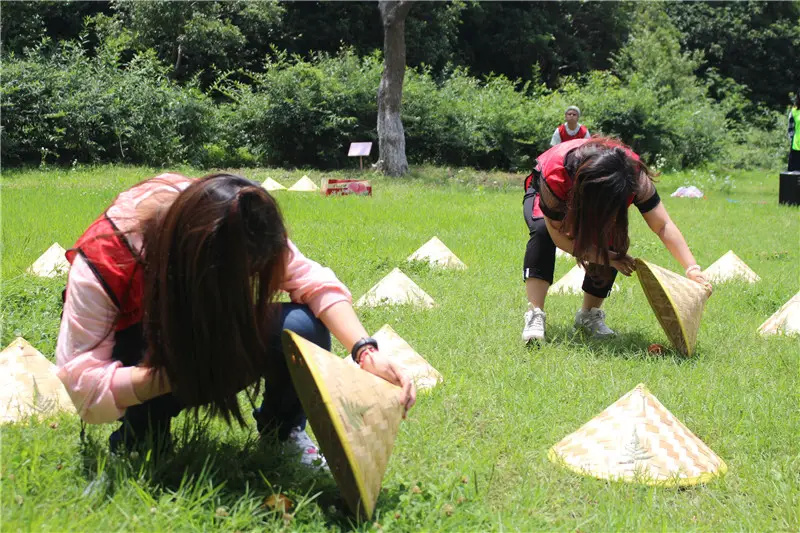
(99, 385)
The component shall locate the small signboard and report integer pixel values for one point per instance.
(359, 149)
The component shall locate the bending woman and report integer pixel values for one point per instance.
(170, 304)
(577, 198)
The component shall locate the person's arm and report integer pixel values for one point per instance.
(623, 263)
(100, 387)
(662, 225)
(555, 139)
(588, 135)
(318, 287)
(343, 323)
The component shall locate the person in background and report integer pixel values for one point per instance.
(577, 198)
(570, 129)
(794, 136)
(171, 304)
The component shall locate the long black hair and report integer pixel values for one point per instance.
(213, 263)
(605, 178)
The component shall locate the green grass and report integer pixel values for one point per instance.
(473, 454)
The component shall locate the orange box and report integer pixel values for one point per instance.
(342, 187)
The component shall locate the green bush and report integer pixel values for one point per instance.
(61, 106)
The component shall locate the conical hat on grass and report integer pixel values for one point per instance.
(355, 416)
(571, 282)
(272, 185)
(637, 439)
(395, 289)
(678, 303)
(304, 184)
(436, 253)
(421, 372)
(28, 384)
(786, 320)
(561, 254)
(729, 267)
(51, 263)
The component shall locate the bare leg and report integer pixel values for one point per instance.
(536, 289)
(590, 301)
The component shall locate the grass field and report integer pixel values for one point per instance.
(473, 454)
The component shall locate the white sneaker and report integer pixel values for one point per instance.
(301, 443)
(593, 323)
(533, 330)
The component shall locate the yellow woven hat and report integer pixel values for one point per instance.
(637, 439)
(355, 416)
(28, 384)
(677, 301)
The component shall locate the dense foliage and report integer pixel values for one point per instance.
(235, 83)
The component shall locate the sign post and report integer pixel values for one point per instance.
(360, 150)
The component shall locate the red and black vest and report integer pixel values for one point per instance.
(550, 169)
(119, 269)
(562, 132)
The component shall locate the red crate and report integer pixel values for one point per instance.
(341, 187)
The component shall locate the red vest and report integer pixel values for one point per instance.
(562, 132)
(551, 166)
(111, 258)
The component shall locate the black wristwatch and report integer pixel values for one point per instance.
(360, 343)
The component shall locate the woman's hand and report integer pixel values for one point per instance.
(625, 264)
(375, 362)
(697, 275)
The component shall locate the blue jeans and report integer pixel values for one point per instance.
(280, 409)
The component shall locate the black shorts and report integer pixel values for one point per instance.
(540, 256)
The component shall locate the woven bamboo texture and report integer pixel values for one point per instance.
(678, 303)
(785, 321)
(436, 253)
(730, 267)
(28, 384)
(355, 416)
(304, 184)
(51, 263)
(272, 185)
(424, 376)
(395, 289)
(637, 439)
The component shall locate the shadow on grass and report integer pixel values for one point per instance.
(626, 344)
(205, 464)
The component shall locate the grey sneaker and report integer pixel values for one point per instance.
(299, 442)
(533, 330)
(593, 323)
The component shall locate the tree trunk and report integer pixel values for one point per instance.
(391, 137)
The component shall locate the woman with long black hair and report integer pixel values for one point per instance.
(171, 304)
(577, 198)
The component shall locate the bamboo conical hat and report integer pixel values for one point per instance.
(395, 289)
(28, 384)
(637, 439)
(51, 263)
(304, 184)
(786, 320)
(355, 416)
(572, 282)
(419, 370)
(437, 253)
(677, 301)
(272, 185)
(729, 267)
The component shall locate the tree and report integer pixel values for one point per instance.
(756, 44)
(391, 137)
